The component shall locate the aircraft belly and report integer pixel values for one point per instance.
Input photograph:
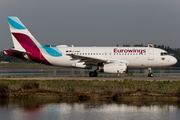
(142, 63)
(60, 61)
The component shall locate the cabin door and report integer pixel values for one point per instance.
(150, 54)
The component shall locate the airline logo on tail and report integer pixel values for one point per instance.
(24, 42)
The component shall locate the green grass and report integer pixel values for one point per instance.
(93, 85)
(3, 87)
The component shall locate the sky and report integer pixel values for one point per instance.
(94, 22)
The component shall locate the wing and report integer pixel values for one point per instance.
(89, 60)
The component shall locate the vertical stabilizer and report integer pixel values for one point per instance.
(19, 32)
(24, 42)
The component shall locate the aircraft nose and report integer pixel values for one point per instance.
(173, 60)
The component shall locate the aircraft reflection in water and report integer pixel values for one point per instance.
(47, 109)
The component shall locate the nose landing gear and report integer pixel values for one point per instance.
(150, 73)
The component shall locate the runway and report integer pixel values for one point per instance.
(158, 78)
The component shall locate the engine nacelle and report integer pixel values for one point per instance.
(114, 68)
(81, 65)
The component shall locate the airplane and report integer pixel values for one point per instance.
(114, 60)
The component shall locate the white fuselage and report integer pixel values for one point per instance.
(135, 57)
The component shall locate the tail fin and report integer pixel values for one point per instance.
(25, 45)
(20, 35)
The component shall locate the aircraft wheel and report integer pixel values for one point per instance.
(96, 74)
(150, 75)
(93, 74)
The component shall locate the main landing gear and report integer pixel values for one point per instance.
(93, 74)
(150, 73)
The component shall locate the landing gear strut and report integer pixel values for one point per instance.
(93, 74)
(150, 73)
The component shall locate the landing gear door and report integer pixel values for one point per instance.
(150, 54)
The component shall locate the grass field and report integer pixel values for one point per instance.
(105, 89)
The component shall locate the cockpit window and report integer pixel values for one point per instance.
(164, 53)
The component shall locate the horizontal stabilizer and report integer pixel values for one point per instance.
(15, 51)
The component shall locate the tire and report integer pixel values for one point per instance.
(93, 74)
(150, 75)
(96, 74)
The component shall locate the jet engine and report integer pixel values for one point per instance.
(113, 68)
